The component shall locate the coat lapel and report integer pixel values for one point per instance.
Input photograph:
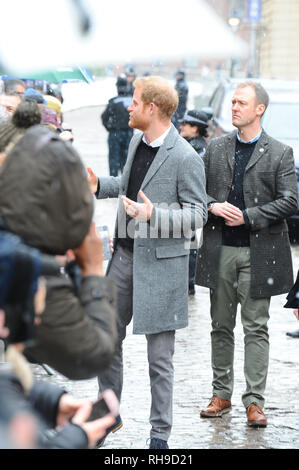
(128, 165)
(161, 156)
(230, 152)
(259, 151)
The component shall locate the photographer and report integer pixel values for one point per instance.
(46, 200)
(30, 409)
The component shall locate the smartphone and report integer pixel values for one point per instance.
(104, 234)
(107, 403)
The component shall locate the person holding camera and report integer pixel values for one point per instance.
(40, 202)
(29, 409)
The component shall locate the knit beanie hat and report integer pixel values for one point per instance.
(26, 115)
(45, 197)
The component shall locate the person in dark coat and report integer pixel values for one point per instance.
(245, 257)
(30, 408)
(293, 302)
(42, 408)
(40, 202)
(193, 128)
(115, 119)
(183, 92)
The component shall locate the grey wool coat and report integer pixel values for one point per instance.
(175, 184)
(270, 195)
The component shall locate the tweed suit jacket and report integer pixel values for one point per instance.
(175, 183)
(270, 195)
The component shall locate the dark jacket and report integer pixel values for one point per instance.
(199, 144)
(183, 91)
(116, 115)
(40, 201)
(77, 334)
(293, 297)
(41, 403)
(270, 195)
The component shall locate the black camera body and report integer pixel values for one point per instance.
(20, 268)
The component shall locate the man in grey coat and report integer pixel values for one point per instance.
(163, 203)
(245, 257)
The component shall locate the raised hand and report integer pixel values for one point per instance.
(92, 180)
(140, 210)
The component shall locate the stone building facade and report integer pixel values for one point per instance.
(279, 39)
(273, 41)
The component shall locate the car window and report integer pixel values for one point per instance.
(281, 120)
(226, 108)
(216, 99)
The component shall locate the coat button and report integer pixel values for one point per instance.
(229, 187)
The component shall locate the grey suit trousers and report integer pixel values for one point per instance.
(233, 288)
(160, 350)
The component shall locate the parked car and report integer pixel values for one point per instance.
(281, 120)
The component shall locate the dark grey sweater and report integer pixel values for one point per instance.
(238, 236)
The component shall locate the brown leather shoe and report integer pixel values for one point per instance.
(217, 407)
(255, 416)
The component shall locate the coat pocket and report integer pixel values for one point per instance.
(171, 251)
(278, 228)
(162, 181)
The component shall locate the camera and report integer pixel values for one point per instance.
(20, 268)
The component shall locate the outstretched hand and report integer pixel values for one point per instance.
(138, 210)
(92, 180)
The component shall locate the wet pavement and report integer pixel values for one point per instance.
(193, 375)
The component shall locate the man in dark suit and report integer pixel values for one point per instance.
(245, 257)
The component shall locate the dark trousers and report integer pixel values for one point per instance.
(233, 288)
(192, 264)
(118, 143)
(160, 351)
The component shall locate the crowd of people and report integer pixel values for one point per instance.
(172, 180)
